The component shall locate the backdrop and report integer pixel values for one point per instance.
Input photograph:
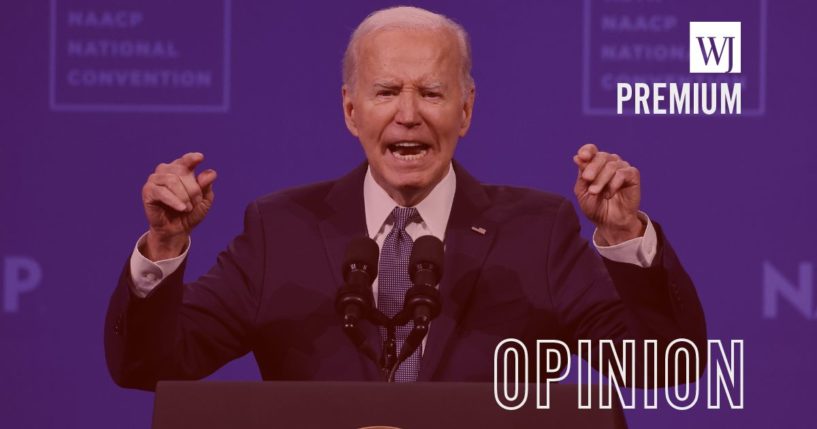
(95, 93)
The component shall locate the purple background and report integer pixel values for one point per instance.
(730, 192)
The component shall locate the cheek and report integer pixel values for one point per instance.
(372, 122)
(446, 121)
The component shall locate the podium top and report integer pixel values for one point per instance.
(219, 404)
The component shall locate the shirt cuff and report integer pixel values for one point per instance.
(147, 274)
(637, 251)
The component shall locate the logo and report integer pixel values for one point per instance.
(714, 47)
(649, 41)
(618, 366)
(137, 56)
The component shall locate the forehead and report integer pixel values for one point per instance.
(409, 54)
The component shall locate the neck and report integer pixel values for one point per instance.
(408, 197)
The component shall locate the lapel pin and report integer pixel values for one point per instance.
(479, 230)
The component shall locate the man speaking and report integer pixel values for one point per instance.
(515, 265)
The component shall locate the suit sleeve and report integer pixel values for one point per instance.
(596, 298)
(187, 331)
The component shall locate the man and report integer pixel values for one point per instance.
(515, 265)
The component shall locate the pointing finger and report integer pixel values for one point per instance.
(587, 152)
(595, 166)
(190, 160)
(579, 162)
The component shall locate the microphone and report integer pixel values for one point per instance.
(422, 302)
(354, 301)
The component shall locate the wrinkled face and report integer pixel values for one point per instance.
(407, 107)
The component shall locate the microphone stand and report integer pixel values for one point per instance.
(413, 341)
(389, 358)
(388, 353)
(355, 334)
(389, 361)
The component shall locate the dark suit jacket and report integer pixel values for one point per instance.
(530, 276)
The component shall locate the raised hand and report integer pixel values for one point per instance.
(608, 190)
(175, 201)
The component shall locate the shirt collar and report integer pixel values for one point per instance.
(435, 208)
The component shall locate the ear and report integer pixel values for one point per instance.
(349, 110)
(467, 111)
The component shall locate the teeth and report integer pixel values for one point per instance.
(407, 145)
(413, 157)
(408, 150)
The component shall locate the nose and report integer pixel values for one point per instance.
(407, 113)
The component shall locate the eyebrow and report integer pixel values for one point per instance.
(432, 86)
(387, 84)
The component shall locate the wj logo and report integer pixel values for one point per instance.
(714, 47)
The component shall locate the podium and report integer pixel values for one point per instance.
(429, 405)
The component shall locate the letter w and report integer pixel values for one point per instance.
(714, 52)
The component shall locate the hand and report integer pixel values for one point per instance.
(608, 190)
(175, 201)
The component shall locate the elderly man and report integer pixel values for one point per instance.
(515, 265)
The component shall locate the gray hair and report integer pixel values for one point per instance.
(406, 17)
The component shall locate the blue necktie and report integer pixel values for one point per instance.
(393, 282)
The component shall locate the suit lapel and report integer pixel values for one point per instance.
(345, 220)
(468, 238)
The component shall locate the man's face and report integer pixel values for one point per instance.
(407, 108)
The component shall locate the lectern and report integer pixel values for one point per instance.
(210, 405)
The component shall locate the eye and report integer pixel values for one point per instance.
(432, 94)
(386, 93)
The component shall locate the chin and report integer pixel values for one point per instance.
(412, 178)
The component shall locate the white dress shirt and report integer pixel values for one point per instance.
(435, 210)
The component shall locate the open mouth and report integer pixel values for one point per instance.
(408, 151)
